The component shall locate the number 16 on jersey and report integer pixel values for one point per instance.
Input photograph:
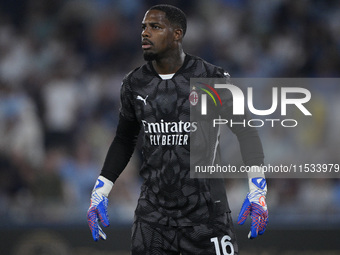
(226, 245)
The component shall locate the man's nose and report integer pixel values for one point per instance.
(145, 32)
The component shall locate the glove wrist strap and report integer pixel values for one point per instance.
(103, 186)
(256, 179)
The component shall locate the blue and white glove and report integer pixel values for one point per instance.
(98, 207)
(255, 206)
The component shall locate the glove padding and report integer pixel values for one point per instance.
(255, 206)
(98, 208)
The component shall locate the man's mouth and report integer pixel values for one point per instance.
(146, 44)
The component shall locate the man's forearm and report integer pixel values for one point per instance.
(121, 149)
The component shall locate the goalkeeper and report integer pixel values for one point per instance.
(175, 214)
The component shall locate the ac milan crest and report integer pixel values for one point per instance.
(193, 97)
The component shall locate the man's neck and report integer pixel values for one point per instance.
(170, 64)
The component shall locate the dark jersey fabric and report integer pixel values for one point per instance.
(161, 110)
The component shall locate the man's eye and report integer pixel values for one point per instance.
(156, 27)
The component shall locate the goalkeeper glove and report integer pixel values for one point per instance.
(98, 207)
(255, 206)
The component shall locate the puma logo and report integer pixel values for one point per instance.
(142, 99)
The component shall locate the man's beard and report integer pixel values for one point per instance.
(149, 56)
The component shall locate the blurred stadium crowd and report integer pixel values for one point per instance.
(61, 66)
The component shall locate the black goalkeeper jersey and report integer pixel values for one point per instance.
(161, 110)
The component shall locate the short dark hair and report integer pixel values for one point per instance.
(175, 15)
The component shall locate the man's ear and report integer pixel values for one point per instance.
(178, 34)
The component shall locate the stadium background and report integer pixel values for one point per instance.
(61, 66)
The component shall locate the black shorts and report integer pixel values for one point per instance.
(214, 238)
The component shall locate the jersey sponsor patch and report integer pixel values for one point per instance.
(169, 133)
